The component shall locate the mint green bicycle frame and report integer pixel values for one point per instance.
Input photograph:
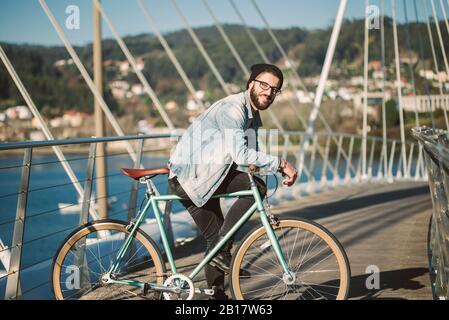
(153, 200)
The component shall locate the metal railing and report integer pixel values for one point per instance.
(12, 256)
(436, 150)
(332, 160)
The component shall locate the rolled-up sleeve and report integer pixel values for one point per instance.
(232, 123)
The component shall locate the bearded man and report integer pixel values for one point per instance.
(212, 158)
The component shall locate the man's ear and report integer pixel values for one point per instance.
(251, 85)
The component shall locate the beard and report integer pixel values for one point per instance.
(255, 98)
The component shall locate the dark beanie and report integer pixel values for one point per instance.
(264, 67)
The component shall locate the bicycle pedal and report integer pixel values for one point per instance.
(209, 292)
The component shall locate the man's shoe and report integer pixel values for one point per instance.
(221, 261)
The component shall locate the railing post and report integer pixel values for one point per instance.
(13, 290)
(337, 161)
(358, 176)
(135, 184)
(371, 158)
(390, 165)
(420, 170)
(80, 258)
(325, 163)
(349, 160)
(410, 158)
(380, 167)
(398, 172)
(312, 162)
(84, 214)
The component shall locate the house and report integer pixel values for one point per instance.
(357, 81)
(124, 67)
(427, 74)
(171, 105)
(137, 89)
(19, 112)
(303, 97)
(140, 64)
(58, 122)
(37, 136)
(59, 63)
(119, 88)
(375, 65)
(74, 118)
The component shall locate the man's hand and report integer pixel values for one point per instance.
(289, 172)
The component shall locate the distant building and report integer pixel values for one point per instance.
(58, 122)
(332, 94)
(119, 88)
(357, 81)
(345, 93)
(74, 118)
(124, 67)
(374, 100)
(140, 64)
(59, 63)
(303, 97)
(144, 126)
(108, 63)
(37, 136)
(192, 105)
(427, 74)
(375, 65)
(171, 105)
(19, 112)
(137, 89)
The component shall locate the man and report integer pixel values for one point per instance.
(210, 158)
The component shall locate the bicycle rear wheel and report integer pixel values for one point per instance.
(313, 254)
(88, 253)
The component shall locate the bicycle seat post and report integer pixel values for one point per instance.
(145, 180)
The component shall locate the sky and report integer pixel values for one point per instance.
(24, 21)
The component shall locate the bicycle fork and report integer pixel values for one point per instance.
(289, 276)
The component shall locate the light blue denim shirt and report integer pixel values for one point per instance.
(224, 134)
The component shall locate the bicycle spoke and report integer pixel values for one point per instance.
(293, 246)
(310, 254)
(137, 265)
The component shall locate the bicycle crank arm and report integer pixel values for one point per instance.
(147, 287)
(209, 292)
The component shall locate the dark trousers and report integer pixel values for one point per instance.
(209, 217)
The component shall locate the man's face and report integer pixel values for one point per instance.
(263, 98)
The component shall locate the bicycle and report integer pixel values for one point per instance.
(283, 258)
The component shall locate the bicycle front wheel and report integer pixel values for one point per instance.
(315, 257)
(89, 252)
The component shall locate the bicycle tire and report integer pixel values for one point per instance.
(146, 257)
(267, 276)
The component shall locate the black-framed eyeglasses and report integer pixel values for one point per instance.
(265, 86)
